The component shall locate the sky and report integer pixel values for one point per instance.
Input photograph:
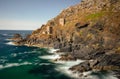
(30, 14)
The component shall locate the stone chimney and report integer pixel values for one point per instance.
(62, 21)
(49, 30)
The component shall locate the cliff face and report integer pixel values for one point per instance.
(91, 22)
(88, 30)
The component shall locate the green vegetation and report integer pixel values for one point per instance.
(95, 15)
(81, 32)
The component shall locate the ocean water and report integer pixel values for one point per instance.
(22, 62)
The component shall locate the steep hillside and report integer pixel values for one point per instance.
(88, 30)
(88, 21)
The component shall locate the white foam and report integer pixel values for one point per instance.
(44, 64)
(64, 67)
(5, 34)
(13, 54)
(52, 50)
(10, 43)
(30, 52)
(87, 75)
(66, 71)
(50, 57)
(109, 76)
(14, 64)
(70, 63)
(91, 77)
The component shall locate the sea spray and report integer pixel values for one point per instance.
(63, 66)
(14, 64)
(10, 43)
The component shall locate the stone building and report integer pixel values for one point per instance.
(49, 30)
(62, 21)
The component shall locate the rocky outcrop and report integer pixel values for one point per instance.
(89, 30)
(66, 57)
(17, 37)
(102, 63)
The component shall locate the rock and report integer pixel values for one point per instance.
(104, 62)
(66, 48)
(67, 57)
(82, 67)
(80, 26)
(93, 63)
(17, 37)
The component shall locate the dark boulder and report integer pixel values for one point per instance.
(82, 67)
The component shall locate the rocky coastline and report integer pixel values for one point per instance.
(85, 31)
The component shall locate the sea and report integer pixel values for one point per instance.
(23, 62)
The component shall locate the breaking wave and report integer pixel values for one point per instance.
(10, 43)
(14, 64)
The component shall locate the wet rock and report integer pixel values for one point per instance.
(66, 48)
(93, 63)
(82, 67)
(67, 57)
(17, 37)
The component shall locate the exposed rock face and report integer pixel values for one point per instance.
(67, 57)
(17, 37)
(104, 62)
(90, 30)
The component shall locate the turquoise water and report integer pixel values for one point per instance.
(21, 62)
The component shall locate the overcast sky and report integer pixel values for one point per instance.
(30, 14)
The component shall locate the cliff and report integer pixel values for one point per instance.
(89, 30)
